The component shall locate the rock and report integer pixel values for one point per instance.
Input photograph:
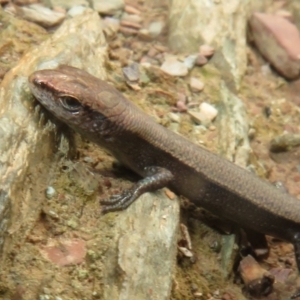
(50, 192)
(64, 252)
(131, 24)
(207, 113)
(201, 60)
(31, 151)
(68, 4)
(198, 118)
(78, 10)
(39, 14)
(132, 18)
(155, 29)
(26, 137)
(107, 7)
(207, 51)
(110, 26)
(193, 23)
(174, 67)
(174, 117)
(131, 10)
(208, 110)
(258, 281)
(131, 72)
(196, 84)
(233, 123)
(190, 61)
(285, 142)
(278, 40)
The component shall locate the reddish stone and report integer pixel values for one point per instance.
(65, 252)
(279, 42)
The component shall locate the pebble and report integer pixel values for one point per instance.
(196, 84)
(63, 252)
(110, 26)
(278, 40)
(127, 23)
(208, 110)
(67, 4)
(206, 114)
(186, 252)
(38, 14)
(201, 60)
(50, 192)
(198, 118)
(132, 18)
(88, 160)
(131, 72)
(181, 106)
(174, 117)
(206, 50)
(174, 67)
(190, 61)
(128, 31)
(107, 7)
(155, 28)
(132, 10)
(77, 10)
(144, 34)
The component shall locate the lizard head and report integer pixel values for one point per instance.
(86, 103)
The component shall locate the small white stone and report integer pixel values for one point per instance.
(190, 61)
(174, 67)
(196, 84)
(198, 117)
(50, 192)
(209, 111)
(107, 7)
(155, 29)
(88, 159)
(174, 117)
(77, 10)
(186, 252)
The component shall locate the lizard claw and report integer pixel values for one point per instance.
(117, 202)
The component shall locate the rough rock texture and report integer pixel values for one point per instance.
(279, 42)
(134, 257)
(25, 151)
(219, 23)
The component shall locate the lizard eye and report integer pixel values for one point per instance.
(71, 104)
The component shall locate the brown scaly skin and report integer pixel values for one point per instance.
(100, 113)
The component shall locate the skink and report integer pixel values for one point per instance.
(102, 114)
